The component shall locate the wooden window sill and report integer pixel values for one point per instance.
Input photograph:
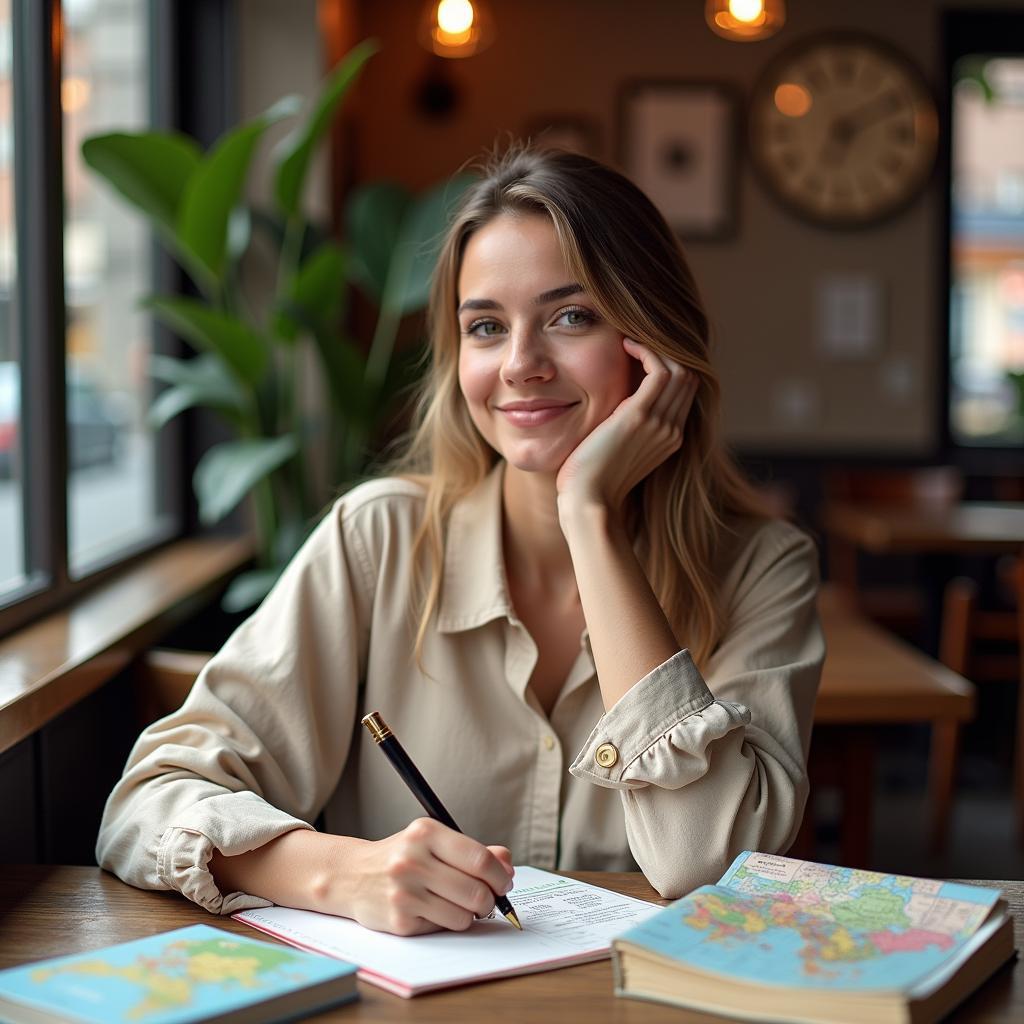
(47, 667)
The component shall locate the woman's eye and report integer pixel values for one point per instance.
(484, 328)
(575, 317)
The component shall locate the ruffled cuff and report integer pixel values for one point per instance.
(659, 732)
(185, 848)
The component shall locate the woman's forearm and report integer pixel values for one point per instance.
(302, 869)
(629, 633)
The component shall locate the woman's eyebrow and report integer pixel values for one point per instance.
(549, 296)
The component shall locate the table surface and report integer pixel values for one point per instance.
(870, 676)
(964, 528)
(50, 911)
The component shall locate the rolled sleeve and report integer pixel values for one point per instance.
(261, 740)
(659, 732)
(706, 769)
(233, 823)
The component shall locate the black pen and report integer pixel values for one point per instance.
(388, 742)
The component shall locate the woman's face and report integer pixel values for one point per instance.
(538, 367)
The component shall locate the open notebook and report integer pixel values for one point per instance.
(564, 922)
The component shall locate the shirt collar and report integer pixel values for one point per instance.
(473, 587)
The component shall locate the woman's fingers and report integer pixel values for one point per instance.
(467, 856)
(667, 388)
(466, 893)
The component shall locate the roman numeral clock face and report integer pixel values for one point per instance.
(843, 130)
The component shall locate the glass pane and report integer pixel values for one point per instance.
(112, 496)
(987, 296)
(12, 537)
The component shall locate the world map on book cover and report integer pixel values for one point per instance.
(191, 973)
(793, 923)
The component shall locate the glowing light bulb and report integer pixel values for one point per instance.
(746, 10)
(455, 17)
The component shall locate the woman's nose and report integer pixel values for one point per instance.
(525, 358)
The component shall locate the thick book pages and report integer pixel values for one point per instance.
(564, 922)
(181, 977)
(788, 940)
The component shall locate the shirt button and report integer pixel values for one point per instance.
(606, 755)
(549, 742)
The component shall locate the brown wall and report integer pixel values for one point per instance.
(572, 57)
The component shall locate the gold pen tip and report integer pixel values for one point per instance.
(511, 917)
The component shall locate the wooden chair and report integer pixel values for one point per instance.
(161, 680)
(964, 626)
(898, 607)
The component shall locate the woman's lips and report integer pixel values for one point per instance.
(535, 417)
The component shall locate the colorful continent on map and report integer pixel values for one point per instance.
(868, 922)
(168, 980)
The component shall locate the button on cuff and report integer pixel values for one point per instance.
(606, 755)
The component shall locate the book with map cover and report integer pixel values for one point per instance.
(789, 940)
(185, 976)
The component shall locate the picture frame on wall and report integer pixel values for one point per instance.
(679, 141)
(566, 131)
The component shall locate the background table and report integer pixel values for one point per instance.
(963, 528)
(50, 911)
(870, 678)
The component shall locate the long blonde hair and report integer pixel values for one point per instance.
(620, 249)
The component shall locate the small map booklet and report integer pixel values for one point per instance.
(564, 922)
(787, 940)
(189, 975)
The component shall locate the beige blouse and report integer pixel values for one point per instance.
(679, 776)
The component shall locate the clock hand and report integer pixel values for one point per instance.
(845, 127)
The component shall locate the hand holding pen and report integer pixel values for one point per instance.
(409, 774)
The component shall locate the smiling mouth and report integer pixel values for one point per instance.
(535, 416)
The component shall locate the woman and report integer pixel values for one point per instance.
(565, 601)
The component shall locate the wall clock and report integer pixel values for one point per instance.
(843, 129)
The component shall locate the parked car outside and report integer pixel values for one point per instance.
(95, 430)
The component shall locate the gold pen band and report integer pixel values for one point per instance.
(377, 726)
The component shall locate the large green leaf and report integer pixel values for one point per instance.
(150, 169)
(374, 217)
(346, 373)
(228, 471)
(215, 189)
(241, 348)
(201, 381)
(297, 149)
(423, 228)
(317, 292)
(273, 227)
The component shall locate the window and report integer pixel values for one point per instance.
(112, 493)
(986, 312)
(12, 534)
(84, 484)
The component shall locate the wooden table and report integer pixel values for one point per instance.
(935, 532)
(964, 528)
(51, 911)
(870, 678)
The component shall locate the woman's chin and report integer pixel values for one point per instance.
(543, 462)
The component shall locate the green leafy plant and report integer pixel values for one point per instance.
(247, 363)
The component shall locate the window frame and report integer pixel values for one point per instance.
(39, 316)
(965, 32)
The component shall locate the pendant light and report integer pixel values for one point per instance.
(745, 21)
(457, 28)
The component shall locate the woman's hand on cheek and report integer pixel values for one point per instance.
(640, 434)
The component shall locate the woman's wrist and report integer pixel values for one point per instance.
(301, 868)
(582, 515)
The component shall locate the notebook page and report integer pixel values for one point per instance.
(564, 921)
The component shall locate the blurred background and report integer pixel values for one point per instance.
(847, 181)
